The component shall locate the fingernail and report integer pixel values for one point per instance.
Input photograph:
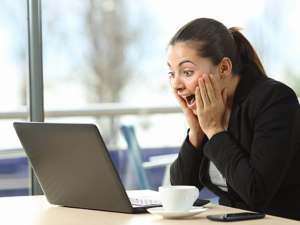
(201, 80)
(211, 76)
(205, 76)
(226, 91)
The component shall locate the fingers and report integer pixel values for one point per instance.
(199, 102)
(209, 88)
(215, 87)
(203, 92)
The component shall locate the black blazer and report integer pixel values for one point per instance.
(259, 155)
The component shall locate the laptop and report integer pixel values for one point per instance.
(74, 168)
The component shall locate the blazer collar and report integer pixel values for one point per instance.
(249, 76)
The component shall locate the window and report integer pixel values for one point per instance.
(13, 163)
(101, 54)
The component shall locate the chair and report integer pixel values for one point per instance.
(136, 158)
(162, 160)
(138, 163)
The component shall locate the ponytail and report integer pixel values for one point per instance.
(246, 51)
(213, 41)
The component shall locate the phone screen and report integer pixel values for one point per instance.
(236, 216)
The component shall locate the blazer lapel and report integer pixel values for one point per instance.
(233, 127)
(249, 75)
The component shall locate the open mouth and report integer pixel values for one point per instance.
(190, 100)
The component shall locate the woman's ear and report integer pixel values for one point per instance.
(225, 68)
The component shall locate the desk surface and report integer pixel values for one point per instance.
(36, 210)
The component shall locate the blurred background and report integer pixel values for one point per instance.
(100, 54)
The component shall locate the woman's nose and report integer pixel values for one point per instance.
(177, 83)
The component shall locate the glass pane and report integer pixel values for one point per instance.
(100, 52)
(13, 163)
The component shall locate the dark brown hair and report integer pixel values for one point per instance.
(212, 40)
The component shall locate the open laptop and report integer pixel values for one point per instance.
(74, 168)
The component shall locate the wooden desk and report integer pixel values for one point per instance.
(35, 210)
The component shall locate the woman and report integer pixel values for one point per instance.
(244, 136)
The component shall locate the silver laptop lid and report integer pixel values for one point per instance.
(73, 166)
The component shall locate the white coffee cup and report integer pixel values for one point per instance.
(178, 198)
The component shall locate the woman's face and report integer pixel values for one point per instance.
(186, 67)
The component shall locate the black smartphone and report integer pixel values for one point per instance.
(236, 216)
(200, 202)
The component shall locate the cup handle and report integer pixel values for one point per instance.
(196, 193)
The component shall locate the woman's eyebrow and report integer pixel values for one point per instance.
(185, 61)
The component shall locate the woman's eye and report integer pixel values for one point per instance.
(171, 74)
(188, 72)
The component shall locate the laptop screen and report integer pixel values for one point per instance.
(73, 165)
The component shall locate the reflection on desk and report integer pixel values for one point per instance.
(35, 210)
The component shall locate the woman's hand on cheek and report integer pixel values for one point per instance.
(196, 134)
(190, 117)
(211, 105)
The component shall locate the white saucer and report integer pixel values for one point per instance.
(176, 215)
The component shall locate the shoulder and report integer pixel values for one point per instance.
(267, 93)
(257, 93)
(253, 83)
(268, 89)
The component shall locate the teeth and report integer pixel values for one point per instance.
(190, 101)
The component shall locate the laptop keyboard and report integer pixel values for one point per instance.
(144, 201)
